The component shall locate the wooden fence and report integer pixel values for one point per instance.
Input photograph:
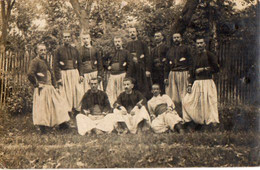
(237, 82)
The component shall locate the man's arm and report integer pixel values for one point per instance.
(129, 64)
(31, 73)
(213, 60)
(56, 67)
(79, 62)
(99, 64)
(107, 107)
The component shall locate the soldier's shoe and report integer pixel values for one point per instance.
(121, 128)
(179, 128)
(63, 126)
(42, 130)
(98, 131)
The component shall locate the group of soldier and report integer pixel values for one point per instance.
(167, 89)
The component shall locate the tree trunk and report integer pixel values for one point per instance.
(182, 22)
(5, 14)
(83, 14)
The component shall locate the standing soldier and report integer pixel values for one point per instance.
(48, 105)
(120, 66)
(66, 68)
(200, 105)
(158, 55)
(141, 62)
(91, 62)
(176, 72)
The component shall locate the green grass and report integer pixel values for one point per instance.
(23, 147)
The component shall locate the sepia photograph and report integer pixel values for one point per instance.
(129, 84)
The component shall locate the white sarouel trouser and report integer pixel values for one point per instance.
(87, 123)
(201, 106)
(177, 88)
(165, 121)
(115, 86)
(48, 107)
(133, 121)
(70, 87)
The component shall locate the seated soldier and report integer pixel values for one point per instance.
(130, 108)
(94, 115)
(163, 114)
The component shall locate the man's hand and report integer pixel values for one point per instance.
(169, 109)
(135, 59)
(124, 112)
(153, 116)
(132, 113)
(198, 70)
(148, 73)
(104, 113)
(208, 68)
(189, 88)
(166, 82)
(81, 78)
(86, 112)
(139, 104)
(59, 83)
(109, 68)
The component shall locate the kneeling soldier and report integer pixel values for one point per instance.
(163, 114)
(130, 107)
(94, 115)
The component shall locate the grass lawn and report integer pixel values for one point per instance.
(23, 147)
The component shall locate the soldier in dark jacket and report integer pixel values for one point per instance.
(48, 105)
(200, 105)
(158, 56)
(141, 63)
(176, 71)
(67, 65)
(120, 66)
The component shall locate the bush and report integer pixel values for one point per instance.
(20, 98)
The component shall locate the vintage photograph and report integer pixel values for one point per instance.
(129, 84)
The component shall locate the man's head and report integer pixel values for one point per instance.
(156, 90)
(118, 43)
(200, 44)
(158, 37)
(41, 50)
(128, 84)
(133, 33)
(94, 85)
(176, 37)
(66, 37)
(86, 39)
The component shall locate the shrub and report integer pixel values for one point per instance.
(20, 98)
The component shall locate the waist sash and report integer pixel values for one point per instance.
(160, 109)
(87, 67)
(70, 64)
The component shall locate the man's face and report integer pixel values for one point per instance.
(176, 38)
(200, 44)
(42, 51)
(158, 37)
(94, 85)
(118, 43)
(132, 33)
(128, 85)
(86, 39)
(156, 90)
(66, 38)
